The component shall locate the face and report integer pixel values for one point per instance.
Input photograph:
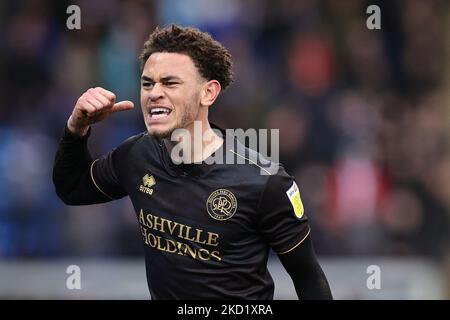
(170, 93)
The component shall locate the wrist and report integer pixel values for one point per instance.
(76, 130)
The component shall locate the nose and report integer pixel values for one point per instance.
(156, 92)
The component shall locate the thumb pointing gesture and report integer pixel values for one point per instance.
(93, 106)
(122, 106)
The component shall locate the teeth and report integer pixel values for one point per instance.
(159, 112)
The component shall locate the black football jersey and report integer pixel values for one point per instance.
(206, 228)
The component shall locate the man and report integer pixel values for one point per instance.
(207, 228)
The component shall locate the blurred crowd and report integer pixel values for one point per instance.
(363, 115)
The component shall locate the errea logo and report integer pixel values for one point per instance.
(148, 181)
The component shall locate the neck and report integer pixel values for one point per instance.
(195, 143)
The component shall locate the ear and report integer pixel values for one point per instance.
(210, 92)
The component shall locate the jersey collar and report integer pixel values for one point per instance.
(194, 169)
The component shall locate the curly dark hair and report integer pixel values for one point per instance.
(209, 56)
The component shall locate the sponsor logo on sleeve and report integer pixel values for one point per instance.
(293, 194)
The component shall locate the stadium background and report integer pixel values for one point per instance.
(363, 117)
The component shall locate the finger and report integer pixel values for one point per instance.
(105, 101)
(93, 106)
(88, 112)
(85, 107)
(108, 94)
(122, 106)
(93, 101)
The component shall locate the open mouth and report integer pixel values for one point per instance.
(159, 112)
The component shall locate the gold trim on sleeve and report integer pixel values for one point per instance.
(93, 180)
(307, 234)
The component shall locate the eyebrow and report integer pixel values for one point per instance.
(163, 79)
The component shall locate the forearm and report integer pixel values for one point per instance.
(71, 172)
(314, 286)
(308, 277)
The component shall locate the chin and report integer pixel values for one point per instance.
(161, 134)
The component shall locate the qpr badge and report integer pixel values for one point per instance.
(221, 204)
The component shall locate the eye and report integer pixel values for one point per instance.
(147, 84)
(171, 83)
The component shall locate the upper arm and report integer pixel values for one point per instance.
(281, 218)
(285, 227)
(105, 177)
(109, 172)
(79, 180)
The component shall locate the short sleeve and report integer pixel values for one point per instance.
(281, 217)
(107, 172)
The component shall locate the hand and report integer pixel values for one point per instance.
(93, 106)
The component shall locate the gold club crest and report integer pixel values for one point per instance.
(221, 204)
